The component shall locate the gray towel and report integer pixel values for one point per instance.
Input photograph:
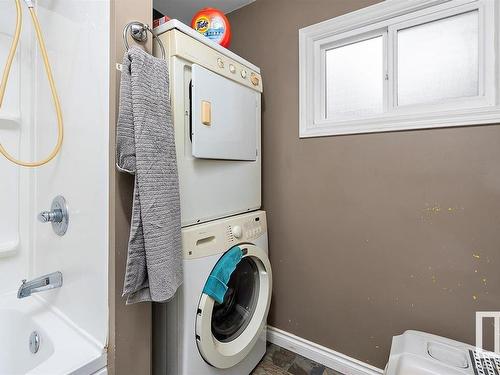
(146, 147)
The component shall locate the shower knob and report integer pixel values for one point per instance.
(50, 216)
(58, 216)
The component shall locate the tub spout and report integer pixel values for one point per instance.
(46, 282)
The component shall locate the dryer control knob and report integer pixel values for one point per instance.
(254, 78)
(236, 231)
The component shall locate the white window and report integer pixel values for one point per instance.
(354, 79)
(401, 64)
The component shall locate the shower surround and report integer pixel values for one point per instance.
(71, 322)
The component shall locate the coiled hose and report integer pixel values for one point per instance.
(48, 70)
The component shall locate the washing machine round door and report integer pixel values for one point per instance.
(227, 332)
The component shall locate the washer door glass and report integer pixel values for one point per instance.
(230, 318)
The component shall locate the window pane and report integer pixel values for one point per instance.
(439, 60)
(354, 79)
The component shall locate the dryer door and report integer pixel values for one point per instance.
(224, 117)
(227, 332)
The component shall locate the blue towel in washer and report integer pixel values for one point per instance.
(216, 285)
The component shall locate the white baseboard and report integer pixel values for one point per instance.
(320, 354)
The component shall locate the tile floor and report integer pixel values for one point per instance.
(279, 361)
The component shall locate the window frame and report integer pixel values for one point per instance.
(386, 19)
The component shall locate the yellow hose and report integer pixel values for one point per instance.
(48, 70)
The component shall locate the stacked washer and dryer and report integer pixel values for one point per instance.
(216, 104)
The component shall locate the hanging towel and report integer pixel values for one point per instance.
(146, 147)
(216, 285)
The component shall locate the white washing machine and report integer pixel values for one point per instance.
(216, 103)
(193, 334)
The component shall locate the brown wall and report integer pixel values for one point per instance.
(370, 235)
(129, 351)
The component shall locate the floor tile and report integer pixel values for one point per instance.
(304, 366)
(329, 371)
(267, 368)
(279, 361)
(279, 357)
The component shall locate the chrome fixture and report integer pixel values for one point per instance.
(139, 32)
(34, 342)
(46, 282)
(58, 216)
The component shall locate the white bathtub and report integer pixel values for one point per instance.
(64, 349)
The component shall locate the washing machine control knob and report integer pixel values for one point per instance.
(236, 231)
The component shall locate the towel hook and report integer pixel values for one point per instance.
(139, 32)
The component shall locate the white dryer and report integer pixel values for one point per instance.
(216, 104)
(193, 334)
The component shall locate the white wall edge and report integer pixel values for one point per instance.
(320, 354)
(97, 366)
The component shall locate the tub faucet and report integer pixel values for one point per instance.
(46, 282)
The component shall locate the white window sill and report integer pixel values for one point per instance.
(385, 122)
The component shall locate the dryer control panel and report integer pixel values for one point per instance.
(219, 236)
(186, 47)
